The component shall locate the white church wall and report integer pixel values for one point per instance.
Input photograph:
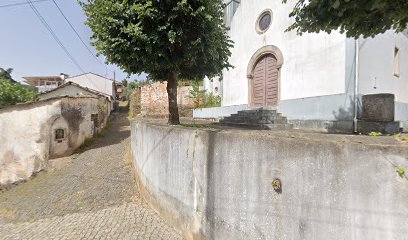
(376, 71)
(314, 64)
(377, 64)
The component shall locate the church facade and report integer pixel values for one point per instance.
(315, 79)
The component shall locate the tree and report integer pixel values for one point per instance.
(13, 92)
(6, 73)
(125, 82)
(168, 39)
(355, 18)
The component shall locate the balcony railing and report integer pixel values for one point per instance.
(45, 88)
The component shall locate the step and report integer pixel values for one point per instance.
(256, 116)
(254, 119)
(257, 113)
(260, 126)
(258, 110)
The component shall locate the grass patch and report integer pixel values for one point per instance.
(402, 138)
(375, 134)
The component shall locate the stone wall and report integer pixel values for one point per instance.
(28, 132)
(154, 100)
(219, 184)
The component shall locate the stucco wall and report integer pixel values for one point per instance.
(217, 185)
(95, 82)
(27, 133)
(376, 74)
(314, 64)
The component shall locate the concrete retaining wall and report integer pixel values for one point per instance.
(218, 184)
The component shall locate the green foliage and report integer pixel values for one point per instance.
(355, 18)
(210, 100)
(401, 172)
(161, 37)
(202, 99)
(12, 93)
(375, 134)
(6, 74)
(197, 95)
(125, 82)
(403, 138)
(190, 83)
(131, 86)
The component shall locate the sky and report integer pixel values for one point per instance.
(28, 48)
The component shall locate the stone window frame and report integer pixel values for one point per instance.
(263, 13)
(60, 139)
(268, 49)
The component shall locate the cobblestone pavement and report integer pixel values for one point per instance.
(129, 221)
(93, 197)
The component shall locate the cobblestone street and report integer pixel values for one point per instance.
(93, 197)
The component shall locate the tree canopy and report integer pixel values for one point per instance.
(355, 18)
(12, 92)
(6, 73)
(167, 39)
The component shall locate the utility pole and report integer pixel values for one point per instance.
(114, 83)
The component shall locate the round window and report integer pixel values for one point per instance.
(264, 21)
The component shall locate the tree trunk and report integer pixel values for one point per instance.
(172, 80)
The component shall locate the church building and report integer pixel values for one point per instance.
(315, 80)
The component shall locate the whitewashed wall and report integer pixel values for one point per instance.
(95, 82)
(376, 65)
(314, 64)
(27, 133)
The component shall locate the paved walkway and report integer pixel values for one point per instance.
(93, 197)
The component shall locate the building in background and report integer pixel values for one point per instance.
(316, 79)
(45, 83)
(95, 82)
(120, 90)
(75, 90)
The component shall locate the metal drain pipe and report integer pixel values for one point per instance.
(356, 68)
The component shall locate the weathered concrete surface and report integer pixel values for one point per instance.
(218, 183)
(27, 133)
(366, 127)
(93, 196)
(378, 107)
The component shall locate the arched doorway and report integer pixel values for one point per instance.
(264, 77)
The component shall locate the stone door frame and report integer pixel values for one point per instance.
(266, 50)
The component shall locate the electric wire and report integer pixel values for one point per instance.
(19, 4)
(76, 33)
(47, 26)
